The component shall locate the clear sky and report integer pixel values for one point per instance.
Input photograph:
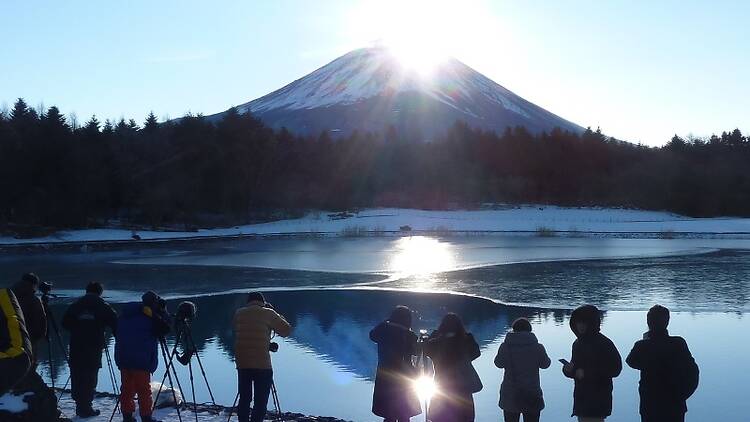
(642, 70)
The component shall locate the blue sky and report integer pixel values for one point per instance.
(640, 70)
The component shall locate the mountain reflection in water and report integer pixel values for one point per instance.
(335, 324)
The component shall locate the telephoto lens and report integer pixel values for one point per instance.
(45, 287)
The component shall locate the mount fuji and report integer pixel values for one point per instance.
(370, 90)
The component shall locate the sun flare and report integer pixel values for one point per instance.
(421, 34)
(425, 387)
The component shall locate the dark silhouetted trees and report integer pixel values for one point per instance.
(193, 171)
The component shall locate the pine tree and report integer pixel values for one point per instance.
(20, 111)
(92, 126)
(108, 129)
(54, 119)
(151, 123)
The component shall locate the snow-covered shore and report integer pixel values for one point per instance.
(105, 402)
(529, 220)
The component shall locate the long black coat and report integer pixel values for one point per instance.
(669, 374)
(86, 319)
(394, 396)
(33, 312)
(600, 361)
(453, 403)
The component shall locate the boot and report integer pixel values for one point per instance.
(149, 418)
(128, 417)
(87, 412)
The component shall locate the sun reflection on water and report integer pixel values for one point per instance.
(422, 256)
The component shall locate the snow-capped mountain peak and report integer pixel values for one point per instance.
(370, 89)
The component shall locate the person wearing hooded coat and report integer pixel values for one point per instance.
(669, 374)
(594, 362)
(139, 330)
(86, 319)
(452, 349)
(394, 398)
(521, 356)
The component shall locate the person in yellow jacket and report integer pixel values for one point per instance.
(15, 345)
(253, 325)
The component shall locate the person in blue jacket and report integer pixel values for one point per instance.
(139, 330)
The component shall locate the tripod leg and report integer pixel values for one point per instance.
(168, 363)
(234, 405)
(192, 388)
(276, 403)
(169, 376)
(203, 372)
(115, 390)
(117, 406)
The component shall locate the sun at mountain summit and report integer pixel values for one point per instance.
(416, 56)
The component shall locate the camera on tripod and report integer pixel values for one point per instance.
(45, 287)
(185, 311)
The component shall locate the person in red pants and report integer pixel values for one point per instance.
(139, 330)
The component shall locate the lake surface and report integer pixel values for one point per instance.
(335, 290)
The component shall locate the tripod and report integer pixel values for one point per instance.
(51, 321)
(184, 336)
(274, 397)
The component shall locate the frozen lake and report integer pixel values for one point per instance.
(706, 283)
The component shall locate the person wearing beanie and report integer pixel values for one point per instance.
(140, 328)
(669, 374)
(594, 362)
(521, 356)
(253, 324)
(33, 310)
(87, 319)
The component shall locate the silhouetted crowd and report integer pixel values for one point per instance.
(669, 374)
(414, 369)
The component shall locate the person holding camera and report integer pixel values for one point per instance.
(86, 319)
(140, 327)
(253, 324)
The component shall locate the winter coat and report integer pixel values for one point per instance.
(521, 355)
(669, 374)
(86, 320)
(139, 329)
(394, 396)
(33, 311)
(15, 346)
(449, 353)
(598, 357)
(252, 334)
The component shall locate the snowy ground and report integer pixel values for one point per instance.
(518, 220)
(106, 404)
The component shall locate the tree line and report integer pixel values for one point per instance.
(192, 171)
